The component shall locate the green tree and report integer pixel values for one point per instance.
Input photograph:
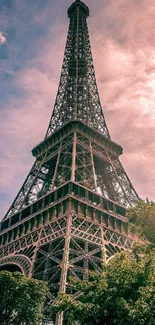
(21, 299)
(123, 294)
(142, 219)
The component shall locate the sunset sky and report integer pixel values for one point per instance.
(32, 40)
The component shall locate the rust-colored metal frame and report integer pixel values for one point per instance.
(69, 216)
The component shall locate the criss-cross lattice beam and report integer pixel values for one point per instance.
(81, 228)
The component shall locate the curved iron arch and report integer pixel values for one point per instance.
(22, 261)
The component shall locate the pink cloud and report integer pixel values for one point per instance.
(125, 64)
(24, 121)
(2, 39)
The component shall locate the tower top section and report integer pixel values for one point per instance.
(77, 97)
(76, 5)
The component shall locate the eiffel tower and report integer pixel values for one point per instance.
(69, 215)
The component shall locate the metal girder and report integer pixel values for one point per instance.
(79, 158)
(54, 231)
(68, 245)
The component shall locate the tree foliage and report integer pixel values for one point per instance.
(21, 299)
(142, 219)
(123, 294)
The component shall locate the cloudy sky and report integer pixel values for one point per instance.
(32, 41)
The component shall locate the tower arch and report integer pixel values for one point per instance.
(15, 263)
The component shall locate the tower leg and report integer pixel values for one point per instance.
(59, 319)
(62, 289)
(103, 249)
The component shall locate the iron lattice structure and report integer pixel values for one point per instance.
(69, 215)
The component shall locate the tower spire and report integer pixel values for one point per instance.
(77, 97)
